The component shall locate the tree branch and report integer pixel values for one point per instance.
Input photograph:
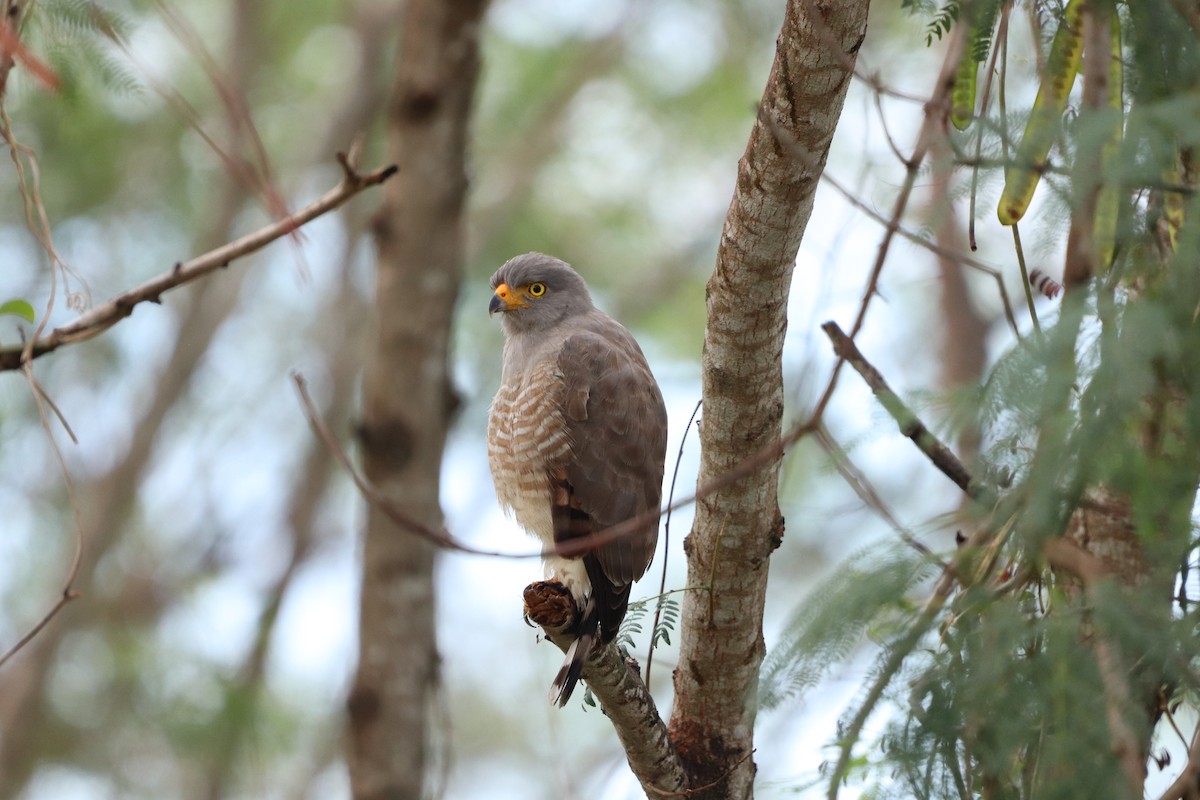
(121, 306)
(616, 683)
(911, 426)
(437, 536)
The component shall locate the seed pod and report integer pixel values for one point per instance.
(1021, 178)
(1108, 201)
(981, 15)
(962, 98)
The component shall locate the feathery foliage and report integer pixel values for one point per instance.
(1068, 635)
(868, 596)
(77, 38)
(667, 607)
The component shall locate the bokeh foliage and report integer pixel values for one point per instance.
(210, 647)
(1025, 668)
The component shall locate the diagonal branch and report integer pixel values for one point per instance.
(437, 536)
(911, 426)
(616, 683)
(117, 308)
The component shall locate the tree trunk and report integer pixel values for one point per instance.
(408, 399)
(738, 526)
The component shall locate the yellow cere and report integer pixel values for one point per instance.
(512, 298)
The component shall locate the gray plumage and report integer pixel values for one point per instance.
(576, 439)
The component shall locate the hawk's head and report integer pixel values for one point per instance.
(536, 292)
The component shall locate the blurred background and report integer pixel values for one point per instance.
(212, 647)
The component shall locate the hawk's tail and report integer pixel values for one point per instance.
(572, 668)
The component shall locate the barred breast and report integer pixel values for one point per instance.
(527, 438)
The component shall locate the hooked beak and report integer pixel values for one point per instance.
(505, 299)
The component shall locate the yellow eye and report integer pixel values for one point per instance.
(537, 289)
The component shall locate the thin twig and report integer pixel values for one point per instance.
(887, 134)
(662, 585)
(911, 426)
(439, 537)
(866, 492)
(985, 101)
(936, 111)
(1020, 251)
(121, 306)
(931, 246)
(65, 597)
(68, 592)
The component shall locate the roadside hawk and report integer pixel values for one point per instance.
(577, 437)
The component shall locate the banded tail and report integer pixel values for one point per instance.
(572, 668)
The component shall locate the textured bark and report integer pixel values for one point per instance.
(616, 683)
(407, 395)
(737, 527)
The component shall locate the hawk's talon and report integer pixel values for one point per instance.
(549, 605)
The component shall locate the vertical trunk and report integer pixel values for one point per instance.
(737, 527)
(407, 395)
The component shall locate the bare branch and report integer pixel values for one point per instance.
(439, 537)
(931, 246)
(866, 492)
(67, 596)
(911, 426)
(662, 584)
(68, 592)
(936, 113)
(121, 306)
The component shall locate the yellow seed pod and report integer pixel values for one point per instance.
(1108, 201)
(1021, 178)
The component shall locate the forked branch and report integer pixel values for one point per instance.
(117, 308)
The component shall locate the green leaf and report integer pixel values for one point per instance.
(19, 308)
